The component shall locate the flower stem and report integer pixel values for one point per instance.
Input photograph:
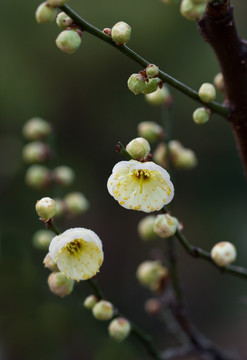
(213, 106)
(200, 253)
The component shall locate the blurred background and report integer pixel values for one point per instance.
(85, 98)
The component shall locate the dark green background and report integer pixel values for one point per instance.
(86, 98)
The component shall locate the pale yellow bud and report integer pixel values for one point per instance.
(223, 253)
(145, 228)
(136, 83)
(63, 20)
(207, 92)
(165, 225)
(45, 208)
(192, 11)
(45, 13)
(36, 129)
(68, 41)
(76, 203)
(49, 263)
(35, 152)
(119, 329)
(121, 33)
(63, 175)
(59, 284)
(38, 176)
(90, 301)
(150, 130)
(152, 274)
(160, 154)
(159, 97)
(201, 115)
(185, 159)
(103, 310)
(151, 85)
(56, 3)
(138, 148)
(219, 82)
(152, 70)
(42, 239)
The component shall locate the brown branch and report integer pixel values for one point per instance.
(218, 28)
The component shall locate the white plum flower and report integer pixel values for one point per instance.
(140, 186)
(77, 252)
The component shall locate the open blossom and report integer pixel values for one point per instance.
(140, 186)
(78, 253)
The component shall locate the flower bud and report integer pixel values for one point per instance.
(152, 274)
(223, 253)
(201, 115)
(60, 207)
(150, 130)
(68, 41)
(121, 33)
(35, 152)
(56, 3)
(90, 301)
(159, 97)
(37, 176)
(190, 10)
(36, 129)
(151, 86)
(207, 92)
(165, 225)
(159, 154)
(185, 159)
(219, 82)
(136, 83)
(42, 239)
(76, 203)
(63, 20)
(138, 148)
(49, 263)
(145, 228)
(45, 208)
(119, 329)
(63, 175)
(152, 70)
(45, 13)
(153, 306)
(103, 310)
(59, 284)
(175, 147)
(197, 2)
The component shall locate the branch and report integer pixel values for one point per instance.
(200, 253)
(217, 27)
(84, 25)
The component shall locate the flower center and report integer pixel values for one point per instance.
(74, 247)
(141, 175)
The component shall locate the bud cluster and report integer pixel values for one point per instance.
(146, 81)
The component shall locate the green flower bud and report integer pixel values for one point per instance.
(201, 115)
(151, 86)
(175, 147)
(38, 176)
(185, 159)
(68, 41)
(45, 13)
(76, 203)
(103, 310)
(192, 11)
(119, 329)
(90, 301)
(35, 152)
(207, 92)
(160, 154)
(152, 70)
(146, 228)
(36, 129)
(150, 130)
(152, 274)
(223, 253)
(45, 208)
(59, 284)
(159, 97)
(56, 3)
(219, 82)
(121, 33)
(63, 20)
(63, 175)
(165, 225)
(42, 239)
(136, 83)
(49, 263)
(138, 148)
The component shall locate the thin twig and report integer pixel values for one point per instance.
(84, 25)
